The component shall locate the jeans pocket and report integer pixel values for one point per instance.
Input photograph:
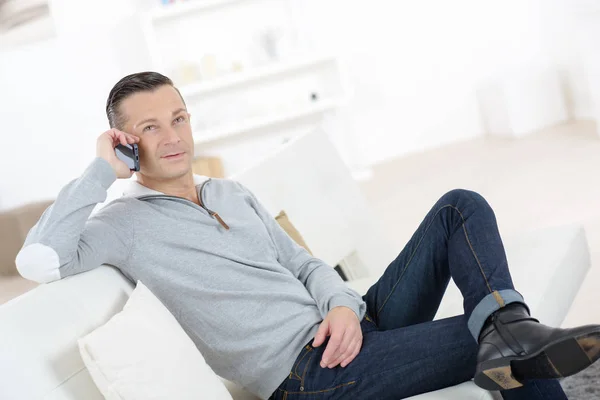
(307, 380)
(302, 361)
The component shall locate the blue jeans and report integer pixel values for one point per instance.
(404, 352)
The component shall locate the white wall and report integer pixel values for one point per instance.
(52, 97)
(415, 65)
(585, 67)
(565, 25)
(50, 110)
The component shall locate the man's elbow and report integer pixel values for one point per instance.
(39, 263)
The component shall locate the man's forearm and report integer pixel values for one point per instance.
(329, 290)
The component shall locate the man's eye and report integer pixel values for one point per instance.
(149, 128)
(180, 119)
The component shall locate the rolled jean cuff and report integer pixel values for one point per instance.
(488, 306)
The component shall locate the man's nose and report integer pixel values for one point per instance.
(171, 136)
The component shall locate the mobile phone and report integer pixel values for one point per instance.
(130, 155)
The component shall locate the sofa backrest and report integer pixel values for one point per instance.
(309, 180)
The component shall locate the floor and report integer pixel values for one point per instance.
(546, 179)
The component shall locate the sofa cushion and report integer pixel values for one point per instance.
(142, 352)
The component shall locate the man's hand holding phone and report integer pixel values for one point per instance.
(105, 148)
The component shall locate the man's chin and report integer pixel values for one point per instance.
(173, 171)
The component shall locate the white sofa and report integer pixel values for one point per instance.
(39, 358)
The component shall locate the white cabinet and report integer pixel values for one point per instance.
(247, 80)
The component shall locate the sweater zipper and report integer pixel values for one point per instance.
(212, 213)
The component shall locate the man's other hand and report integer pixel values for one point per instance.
(342, 324)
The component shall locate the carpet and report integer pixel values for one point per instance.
(584, 385)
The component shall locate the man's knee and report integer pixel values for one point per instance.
(463, 197)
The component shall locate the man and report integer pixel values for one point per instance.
(266, 314)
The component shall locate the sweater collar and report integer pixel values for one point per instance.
(136, 189)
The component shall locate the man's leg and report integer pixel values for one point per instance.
(399, 363)
(458, 238)
(392, 364)
(408, 353)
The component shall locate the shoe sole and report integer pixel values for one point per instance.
(558, 359)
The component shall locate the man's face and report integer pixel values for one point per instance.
(161, 121)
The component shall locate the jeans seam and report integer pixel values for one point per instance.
(409, 261)
(537, 389)
(295, 369)
(306, 369)
(419, 245)
(472, 249)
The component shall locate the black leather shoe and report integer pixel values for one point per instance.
(514, 347)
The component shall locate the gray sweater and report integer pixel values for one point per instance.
(248, 296)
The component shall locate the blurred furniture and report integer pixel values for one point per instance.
(38, 342)
(14, 225)
(18, 12)
(587, 33)
(24, 21)
(522, 102)
(251, 87)
(208, 166)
